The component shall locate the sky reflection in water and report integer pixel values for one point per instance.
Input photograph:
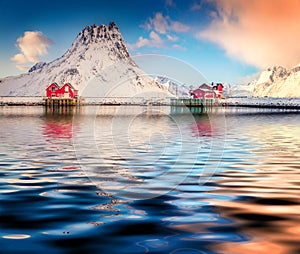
(52, 202)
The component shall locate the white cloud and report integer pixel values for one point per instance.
(142, 42)
(32, 45)
(260, 33)
(163, 24)
(155, 38)
(154, 41)
(178, 27)
(163, 30)
(172, 38)
(159, 23)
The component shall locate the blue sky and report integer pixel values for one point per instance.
(199, 32)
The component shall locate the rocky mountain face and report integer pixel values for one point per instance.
(98, 56)
(278, 82)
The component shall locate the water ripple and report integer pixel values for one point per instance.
(242, 200)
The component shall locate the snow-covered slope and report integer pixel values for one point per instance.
(97, 60)
(278, 82)
(178, 90)
(241, 90)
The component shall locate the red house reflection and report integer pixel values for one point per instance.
(59, 123)
(57, 130)
(202, 129)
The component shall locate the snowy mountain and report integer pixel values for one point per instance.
(178, 90)
(278, 82)
(241, 90)
(37, 66)
(97, 63)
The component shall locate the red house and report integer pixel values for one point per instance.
(203, 92)
(66, 91)
(52, 90)
(219, 90)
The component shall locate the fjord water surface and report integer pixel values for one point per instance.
(149, 180)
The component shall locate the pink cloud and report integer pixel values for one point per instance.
(32, 45)
(261, 33)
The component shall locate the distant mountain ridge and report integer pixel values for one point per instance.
(179, 90)
(96, 52)
(278, 82)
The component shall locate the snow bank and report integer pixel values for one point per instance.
(263, 102)
(23, 100)
(127, 101)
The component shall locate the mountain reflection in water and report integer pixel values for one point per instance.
(149, 180)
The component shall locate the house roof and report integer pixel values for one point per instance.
(69, 84)
(54, 83)
(205, 86)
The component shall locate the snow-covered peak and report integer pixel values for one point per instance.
(95, 51)
(272, 74)
(96, 33)
(296, 68)
(107, 37)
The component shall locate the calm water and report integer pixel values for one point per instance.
(149, 180)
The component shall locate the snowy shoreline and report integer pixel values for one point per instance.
(39, 100)
(293, 103)
(21, 100)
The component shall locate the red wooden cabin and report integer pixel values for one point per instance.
(52, 90)
(203, 92)
(66, 91)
